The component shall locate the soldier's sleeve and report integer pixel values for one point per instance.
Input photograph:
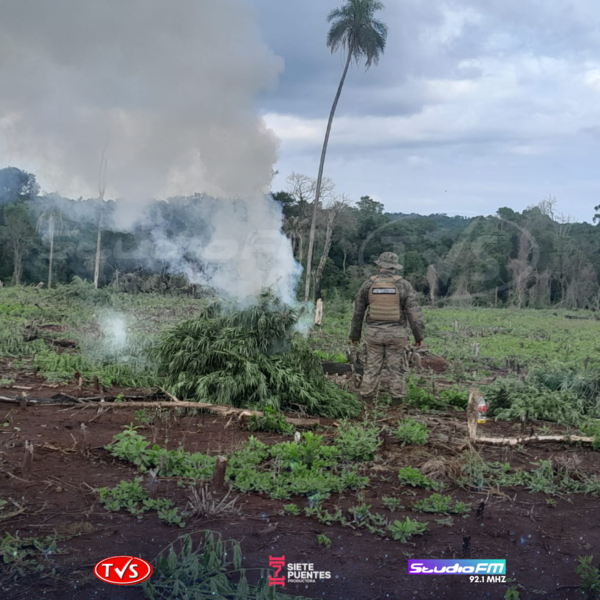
(360, 306)
(413, 312)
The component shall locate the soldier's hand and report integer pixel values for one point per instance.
(419, 345)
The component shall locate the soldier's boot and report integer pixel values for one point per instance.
(397, 401)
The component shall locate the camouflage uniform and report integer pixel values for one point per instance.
(391, 306)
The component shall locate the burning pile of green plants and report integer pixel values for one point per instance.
(249, 358)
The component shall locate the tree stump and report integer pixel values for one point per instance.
(84, 442)
(218, 479)
(473, 413)
(28, 457)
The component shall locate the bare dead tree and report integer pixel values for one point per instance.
(332, 212)
(432, 280)
(521, 270)
(101, 191)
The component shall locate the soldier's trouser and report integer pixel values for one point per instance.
(389, 345)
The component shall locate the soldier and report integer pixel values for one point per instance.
(391, 305)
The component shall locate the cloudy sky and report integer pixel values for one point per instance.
(475, 105)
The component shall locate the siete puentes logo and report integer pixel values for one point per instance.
(123, 570)
(457, 567)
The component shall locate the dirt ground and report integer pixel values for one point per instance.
(540, 543)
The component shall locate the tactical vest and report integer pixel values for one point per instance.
(384, 301)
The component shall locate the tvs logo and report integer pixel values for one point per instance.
(277, 563)
(123, 570)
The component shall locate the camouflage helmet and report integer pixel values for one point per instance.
(388, 260)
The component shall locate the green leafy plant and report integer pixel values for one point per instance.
(420, 398)
(404, 530)
(358, 441)
(413, 477)
(272, 420)
(455, 397)
(589, 575)
(291, 509)
(143, 416)
(436, 503)
(593, 430)
(360, 512)
(130, 495)
(410, 431)
(171, 516)
(392, 503)
(446, 521)
(512, 593)
(323, 540)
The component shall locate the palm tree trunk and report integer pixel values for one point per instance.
(313, 224)
(344, 265)
(326, 249)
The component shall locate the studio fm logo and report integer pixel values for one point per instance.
(296, 572)
(123, 570)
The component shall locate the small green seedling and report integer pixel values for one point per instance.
(291, 509)
(404, 530)
(392, 503)
(324, 540)
(590, 576)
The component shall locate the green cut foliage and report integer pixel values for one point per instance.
(272, 421)
(561, 396)
(211, 570)
(248, 358)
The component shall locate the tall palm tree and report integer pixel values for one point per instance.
(357, 32)
(50, 222)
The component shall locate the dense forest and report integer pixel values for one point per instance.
(529, 259)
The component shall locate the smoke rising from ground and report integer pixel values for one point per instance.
(167, 90)
(168, 87)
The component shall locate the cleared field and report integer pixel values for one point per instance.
(357, 498)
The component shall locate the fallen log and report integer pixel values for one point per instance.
(512, 441)
(224, 411)
(533, 438)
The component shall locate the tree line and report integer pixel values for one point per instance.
(532, 258)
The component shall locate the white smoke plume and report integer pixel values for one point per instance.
(170, 87)
(169, 91)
